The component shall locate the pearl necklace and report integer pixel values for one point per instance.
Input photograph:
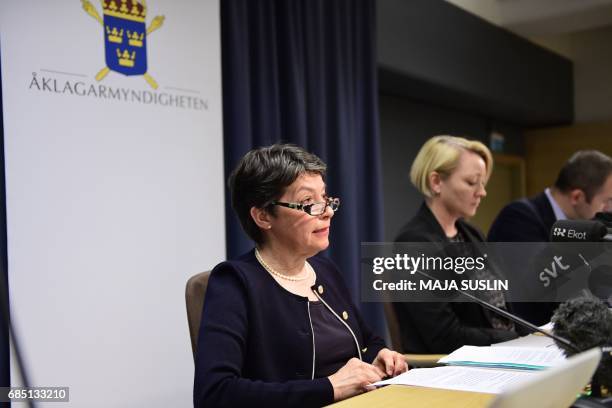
(310, 271)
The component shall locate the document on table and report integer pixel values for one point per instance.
(548, 326)
(460, 378)
(524, 358)
(531, 340)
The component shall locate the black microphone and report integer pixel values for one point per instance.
(605, 217)
(501, 312)
(587, 322)
(580, 231)
(600, 283)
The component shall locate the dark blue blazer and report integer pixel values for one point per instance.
(256, 346)
(526, 220)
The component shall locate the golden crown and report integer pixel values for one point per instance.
(135, 39)
(114, 35)
(126, 59)
(134, 10)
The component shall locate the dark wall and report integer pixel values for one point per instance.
(404, 126)
(442, 70)
(434, 51)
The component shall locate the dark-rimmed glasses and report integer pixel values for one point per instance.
(314, 209)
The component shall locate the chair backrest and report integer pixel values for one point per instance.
(413, 360)
(194, 297)
(393, 325)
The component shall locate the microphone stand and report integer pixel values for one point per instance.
(4, 305)
(595, 387)
(508, 315)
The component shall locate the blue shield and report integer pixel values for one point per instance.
(125, 45)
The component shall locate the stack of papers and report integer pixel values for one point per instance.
(532, 340)
(522, 358)
(482, 369)
(460, 378)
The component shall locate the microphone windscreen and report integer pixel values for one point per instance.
(586, 322)
(578, 231)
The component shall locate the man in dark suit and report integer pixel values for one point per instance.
(583, 188)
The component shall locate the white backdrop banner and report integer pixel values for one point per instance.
(114, 184)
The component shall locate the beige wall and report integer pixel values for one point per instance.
(507, 184)
(548, 149)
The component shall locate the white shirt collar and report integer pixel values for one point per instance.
(559, 214)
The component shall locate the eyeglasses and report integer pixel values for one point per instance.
(314, 209)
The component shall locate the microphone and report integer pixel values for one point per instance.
(580, 231)
(501, 312)
(605, 217)
(600, 283)
(586, 322)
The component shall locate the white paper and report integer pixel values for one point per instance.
(517, 357)
(531, 340)
(460, 378)
(548, 326)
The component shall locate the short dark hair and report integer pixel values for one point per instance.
(262, 176)
(586, 170)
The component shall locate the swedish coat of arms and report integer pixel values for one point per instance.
(125, 36)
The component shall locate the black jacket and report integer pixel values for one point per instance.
(256, 346)
(527, 220)
(440, 328)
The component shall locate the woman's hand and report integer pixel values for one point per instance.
(390, 362)
(353, 377)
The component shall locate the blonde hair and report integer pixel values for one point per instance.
(441, 154)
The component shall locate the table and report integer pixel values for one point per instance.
(408, 396)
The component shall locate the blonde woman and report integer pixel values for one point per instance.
(451, 173)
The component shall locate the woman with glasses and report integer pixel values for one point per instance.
(451, 173)
(278, 327)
